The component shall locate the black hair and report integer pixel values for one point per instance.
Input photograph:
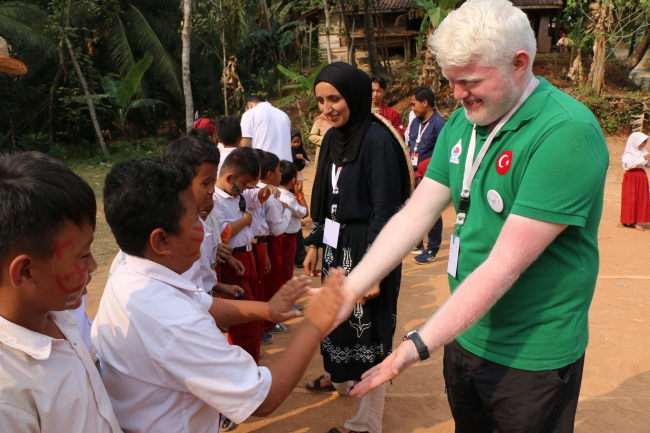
(201, 133)
(229, 129)
(241, 161)
(424, 94)
(380, 80)
(288, 171)
(38, 194)
(255, 99)
(192, 151)
(269, 161)
(142, 195)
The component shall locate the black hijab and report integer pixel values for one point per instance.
(341, 145)
(299, 163)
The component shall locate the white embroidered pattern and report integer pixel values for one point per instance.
(329, 257)
(358, 353)
(360, 327)
(347, 259)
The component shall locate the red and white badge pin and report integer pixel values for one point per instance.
(504, 162)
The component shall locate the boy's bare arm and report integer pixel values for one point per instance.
(241, 223)
(289, 367)
(277, 310)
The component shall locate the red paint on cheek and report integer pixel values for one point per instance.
(194, 253)
(198, 229)
(59, 247)
(197, 240)
(79, 284)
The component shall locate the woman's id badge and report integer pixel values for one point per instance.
(331, 233)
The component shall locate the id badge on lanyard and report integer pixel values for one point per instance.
(333, 228)
(470, 172)
(414, 156)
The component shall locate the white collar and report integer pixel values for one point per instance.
(160, 273)
(224, 194)
(36, 345)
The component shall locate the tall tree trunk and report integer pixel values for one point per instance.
(369, 27)
(185, 62)
(349, 33)
(223, 46)
(641, 48)
(82, 80)
(603, 19)
(327, 31)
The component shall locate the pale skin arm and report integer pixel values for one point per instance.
(395, 241)
(519, 244)
(245, 142)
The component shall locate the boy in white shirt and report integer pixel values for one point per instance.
(298, 207)
(229, 136)
(277, 215)
(168, 368)
(49, 381)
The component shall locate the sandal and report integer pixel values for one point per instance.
(226, 424)
(317, 388)
(280, 328)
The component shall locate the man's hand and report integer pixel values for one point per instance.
(227, 291)
(372, 293)
(390, 368)
(310, 262)
(236, 265)
(223, 252)
(322, 308)
(248, 219)
(281, 303)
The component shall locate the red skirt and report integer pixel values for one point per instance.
(635, 198)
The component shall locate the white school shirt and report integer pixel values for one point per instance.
(259, 226)
(83, 322)
(49, 385)
(201, 273)
(167, 366)
(277, 217)
(269, 129)
(224, 152)
(298, 211)
(226, 211)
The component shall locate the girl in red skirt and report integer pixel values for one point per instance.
(635, 200)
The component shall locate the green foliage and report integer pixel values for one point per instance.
(434, 12)
(614, 117)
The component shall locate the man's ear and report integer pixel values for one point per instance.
(21, 273)
(160, 243)
(521, 62)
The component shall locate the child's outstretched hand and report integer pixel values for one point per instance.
(228, 291)
(323, 307)
(298, 189)
(281, 303)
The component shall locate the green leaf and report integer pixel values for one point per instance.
(294, 76)
(131, 82)
(110, 86)
(312, 78)
(447, 5)
(423, 28)
(142, 103)
(286, 100)
(436, 17)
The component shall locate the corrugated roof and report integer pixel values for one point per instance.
(524, 3)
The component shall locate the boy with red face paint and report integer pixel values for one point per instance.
(50, 382)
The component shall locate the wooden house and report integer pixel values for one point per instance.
(397, 24)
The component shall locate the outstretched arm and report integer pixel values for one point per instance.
(394, 242)
(520, 242)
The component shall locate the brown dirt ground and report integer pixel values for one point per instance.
(616, 388)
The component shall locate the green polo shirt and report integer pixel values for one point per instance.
(547, 163)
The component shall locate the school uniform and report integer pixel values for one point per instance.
(298, 212)
(260, 233)
(277, 219)
(51, 385)
(227, 210)
(167, 367)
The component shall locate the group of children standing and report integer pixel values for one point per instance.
(204, 242)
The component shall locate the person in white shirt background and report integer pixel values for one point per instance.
(167, 366)
(49, 380)
(266, 127)
(229, 136)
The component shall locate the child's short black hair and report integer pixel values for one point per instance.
(379, 80)
(288, 171)
(269, 161)
(38, 194)
(192, 151)
(229, 129)
(424, 94)
(255, 99)
(201, 133)
(140, 196)
(241, 161)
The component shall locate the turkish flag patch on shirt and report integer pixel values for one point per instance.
(504, 162)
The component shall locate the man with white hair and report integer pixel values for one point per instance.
(524, 165)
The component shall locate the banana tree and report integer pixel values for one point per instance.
(303, 85)
(120, 93)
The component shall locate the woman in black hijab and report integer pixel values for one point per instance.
(361, 182)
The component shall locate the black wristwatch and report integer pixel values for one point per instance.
(414, 336)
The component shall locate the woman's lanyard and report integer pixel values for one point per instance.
(471, 169)
(335, 189)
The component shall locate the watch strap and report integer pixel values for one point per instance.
(422, 349)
